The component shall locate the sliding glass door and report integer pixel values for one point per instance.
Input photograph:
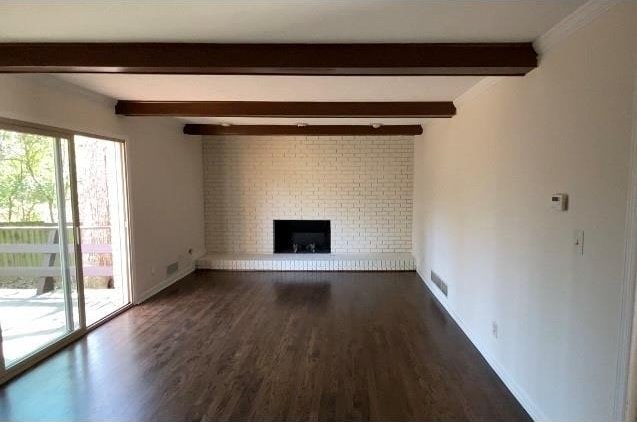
(103, 225)
(64, 257)
(38, 283)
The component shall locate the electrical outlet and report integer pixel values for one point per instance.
(494, 329)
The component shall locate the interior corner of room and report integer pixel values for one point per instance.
(445, 230)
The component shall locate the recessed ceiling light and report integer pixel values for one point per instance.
(225, 124)
(301, 124)
(376, 125)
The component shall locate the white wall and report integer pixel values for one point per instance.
(164, 169)
(362, 184)
(483, 222)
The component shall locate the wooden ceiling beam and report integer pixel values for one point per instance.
(296, 109)
(448, 59)
(316, 130)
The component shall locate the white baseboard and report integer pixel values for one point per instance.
(518, 392)
(161, 286)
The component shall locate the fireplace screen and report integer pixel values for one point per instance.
(301, 236)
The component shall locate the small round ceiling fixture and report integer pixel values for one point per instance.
(301, 124)
(376, 125)
(226, 124)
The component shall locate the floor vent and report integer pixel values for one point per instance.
(172, 268)
(439, 283)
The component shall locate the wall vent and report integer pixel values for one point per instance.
(172, 268)
(442, 286)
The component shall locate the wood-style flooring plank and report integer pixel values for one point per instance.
(281, 346)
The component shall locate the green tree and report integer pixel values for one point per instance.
(27, 178)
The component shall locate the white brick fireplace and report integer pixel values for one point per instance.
(363, 185)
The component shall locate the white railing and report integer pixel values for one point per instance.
(45, 242)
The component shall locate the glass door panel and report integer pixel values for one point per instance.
(38, 287)
(101, 203)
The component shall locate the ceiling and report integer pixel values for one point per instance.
(274, 88)
(280, 21)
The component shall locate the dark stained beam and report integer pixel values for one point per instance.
(263, 130)
(285, 109)
(482, 59)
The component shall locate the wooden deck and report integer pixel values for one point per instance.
(30, 321)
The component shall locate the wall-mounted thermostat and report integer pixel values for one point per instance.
(559, 201)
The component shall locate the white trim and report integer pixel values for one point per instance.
(518, 392)
(164, 284)
(626, 369)
(581, 17)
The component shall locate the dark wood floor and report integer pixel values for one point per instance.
(270, 346)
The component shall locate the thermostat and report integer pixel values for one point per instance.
(559, 201)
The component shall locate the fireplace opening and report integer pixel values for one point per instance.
(301, 236)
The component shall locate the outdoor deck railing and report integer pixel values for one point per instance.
(31, 251)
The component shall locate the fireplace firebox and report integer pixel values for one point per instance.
(301, 236)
